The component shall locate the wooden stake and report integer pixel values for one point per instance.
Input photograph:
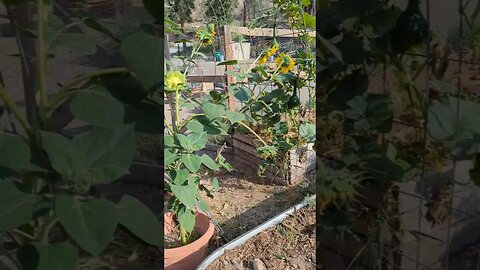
(229, 56)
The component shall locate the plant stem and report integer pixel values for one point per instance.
(253, 132)
(177, 108)
(67, 89)
(183, 235)
(184, 122)
(168, 126)
(24, 234)
(191, 56)
(253, 64)
(58, 97)
(47, 226)
(41, 55)
(10, 103)
(94, 74)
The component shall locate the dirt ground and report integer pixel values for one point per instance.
(243, 202)
(289, 245)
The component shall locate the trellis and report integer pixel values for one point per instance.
(422, 246)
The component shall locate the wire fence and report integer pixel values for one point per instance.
(448, 191)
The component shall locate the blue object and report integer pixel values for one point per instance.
(218, 56)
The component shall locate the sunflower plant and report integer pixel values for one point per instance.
(51, 214)
(185, 136)
(278, 114)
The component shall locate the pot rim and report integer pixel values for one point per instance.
(197, 244)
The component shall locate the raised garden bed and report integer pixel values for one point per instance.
(300, 161)
(287, 245)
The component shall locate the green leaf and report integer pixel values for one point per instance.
(331, 48)
(200, 125)
(169, 157)
(239, 76)
(215, 183)
(306, 3)
(235, 117)
(28, 256)
(180, 176)
(192, 162)
(81, 43)
(309, 20)
(370, 112)
(195, 126)
(144, 55)
(209, 162)
(155, 8)
(140, 220)
(168, 140)
(203, 205)
(107, 153)
(228, 63)
(241, 93)
(186, 218)
(91, 224)
(16, 207)
(193, 142)
(97, 107)
(213, 111)
(308, 132)
(282, 128)
(109, 29)
(443, 124)
(18, 156)
(443, 87)
(187, 195)
(391, 152)
(62, 153)
(54, 22)
(61, 256)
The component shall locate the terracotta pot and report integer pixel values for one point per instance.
(190, 256)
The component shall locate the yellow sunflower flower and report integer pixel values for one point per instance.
(207, 41)
(212, 29)
(262, 60)
(273, 49)
(266, 54)
(285, 63)
(205, 35)
(175, 80)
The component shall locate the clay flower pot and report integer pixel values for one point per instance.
(188, 257)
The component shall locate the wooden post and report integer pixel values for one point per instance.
(229, 56)
(245, 13)
(22, 17)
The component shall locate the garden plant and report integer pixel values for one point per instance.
(51, 216)
(357, 43)
(278, 116)
(189, 172)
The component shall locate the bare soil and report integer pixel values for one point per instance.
(243, 202)
(173, 240)
(289, 245)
